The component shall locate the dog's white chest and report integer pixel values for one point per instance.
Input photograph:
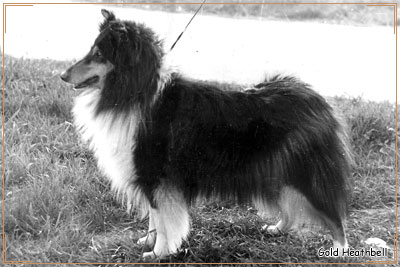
(111, 137)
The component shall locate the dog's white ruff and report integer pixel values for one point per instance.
(111, 137)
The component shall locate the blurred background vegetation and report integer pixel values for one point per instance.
(337, 12)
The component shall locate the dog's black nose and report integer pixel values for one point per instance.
(64, 76)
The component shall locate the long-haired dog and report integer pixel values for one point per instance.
(166, 141)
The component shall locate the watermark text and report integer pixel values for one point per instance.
(350, 252)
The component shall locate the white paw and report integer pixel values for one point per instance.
(149, 255)
(147, 240)
(155, 255)
(271, 229)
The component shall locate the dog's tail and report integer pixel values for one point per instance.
(329, 186)
(315, 160)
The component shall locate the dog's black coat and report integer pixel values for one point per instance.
(238, 145)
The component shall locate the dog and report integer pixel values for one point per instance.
(167, 142)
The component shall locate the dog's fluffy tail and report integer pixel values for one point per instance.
(315, 159)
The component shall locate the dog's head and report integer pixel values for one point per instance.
(125, 54)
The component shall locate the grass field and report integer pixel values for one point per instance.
(58, 207)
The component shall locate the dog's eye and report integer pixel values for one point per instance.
(98, 54)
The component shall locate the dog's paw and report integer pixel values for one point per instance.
(149, 255)
(155, 254)
(271, 229)
(147, 240)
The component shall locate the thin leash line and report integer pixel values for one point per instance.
(187, 25)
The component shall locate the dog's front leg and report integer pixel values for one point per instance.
(161, 241)
(171, 221)
(150, 238)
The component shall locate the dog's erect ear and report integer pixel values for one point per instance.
(109, 16)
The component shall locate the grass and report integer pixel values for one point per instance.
(58, 207)
(359, 14)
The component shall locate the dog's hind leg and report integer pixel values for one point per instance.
(287, 216)
(289, 205)
(150, 238)
(281, 227)
(171, 221)
(296, 211)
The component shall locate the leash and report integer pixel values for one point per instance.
(187, 25)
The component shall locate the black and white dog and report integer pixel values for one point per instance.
(166, 141)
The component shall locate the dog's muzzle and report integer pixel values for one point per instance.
(67, 78)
